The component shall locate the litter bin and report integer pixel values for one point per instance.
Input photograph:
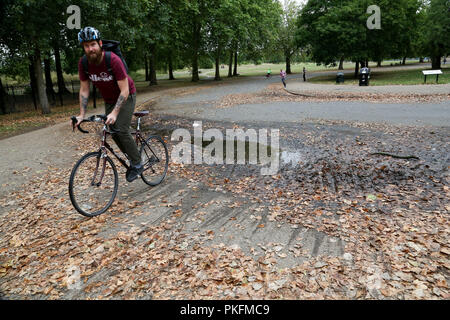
(340, 77)
(364, 76)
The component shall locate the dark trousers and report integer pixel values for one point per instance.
(124, 138)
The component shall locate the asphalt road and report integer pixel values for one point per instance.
(201, 106)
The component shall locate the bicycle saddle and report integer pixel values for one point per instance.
(141, 113)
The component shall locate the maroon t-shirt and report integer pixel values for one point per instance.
(104, 81)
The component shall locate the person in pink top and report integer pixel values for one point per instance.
(118, 91)
(283, 77)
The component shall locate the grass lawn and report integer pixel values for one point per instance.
(383, 78)
(21, 122)
(243, 70)
(255, 70)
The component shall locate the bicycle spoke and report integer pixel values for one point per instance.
(155, 158)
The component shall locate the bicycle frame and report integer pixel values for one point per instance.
(90, 200)
(106, 146)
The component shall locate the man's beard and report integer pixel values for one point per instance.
(95, 58)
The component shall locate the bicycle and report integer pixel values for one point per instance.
(92, 191)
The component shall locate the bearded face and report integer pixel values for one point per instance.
(93, 51)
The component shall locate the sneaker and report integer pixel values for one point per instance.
(133, 172)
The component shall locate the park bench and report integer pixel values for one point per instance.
(431, 72)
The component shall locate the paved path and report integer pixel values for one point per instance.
(314, 88)
(203, 104)
(433, 114)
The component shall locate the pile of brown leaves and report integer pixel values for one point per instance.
(396, 232)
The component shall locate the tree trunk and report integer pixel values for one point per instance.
(436, 62)
(341, 64)
(288, 64)
(59, 72)
(147, 77)
(356, 69)
(217, 76)
(421, 60)
(404, 61)
(33, 81)
(196, 48)
(171, 77)
(48, 80)
(153, 80)
(2, 98)
(379, 63)
(42, 95)
(235, 64)
(230, 65)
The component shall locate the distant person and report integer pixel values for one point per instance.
(445, 60)
(283, 77)
(269, 72)
(304, 74)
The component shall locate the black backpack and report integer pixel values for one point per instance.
(108, 46)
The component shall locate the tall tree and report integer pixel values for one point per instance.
(333, 30)
(286, 40)
(25, 32)
(219, 28)
(437, 30)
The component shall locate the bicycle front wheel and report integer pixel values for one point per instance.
(93, 184)
(155, 157)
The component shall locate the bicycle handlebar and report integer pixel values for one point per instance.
(95, 118)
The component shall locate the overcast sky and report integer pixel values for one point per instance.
(297, 1)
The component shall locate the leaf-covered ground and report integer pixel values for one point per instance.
(391, 216)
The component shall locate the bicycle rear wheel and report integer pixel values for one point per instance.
(155, 157)
(93, 184)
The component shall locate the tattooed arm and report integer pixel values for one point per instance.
(84, 98)
(124, 92)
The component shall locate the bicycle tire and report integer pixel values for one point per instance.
(154, 147)
(80, 205)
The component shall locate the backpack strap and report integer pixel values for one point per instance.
(84, 63)
(108, 62)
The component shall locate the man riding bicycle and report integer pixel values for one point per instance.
(118, 92)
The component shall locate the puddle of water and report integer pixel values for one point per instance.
(242, 152)
(291, 158)
(246, 153)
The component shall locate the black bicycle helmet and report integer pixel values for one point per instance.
(88, 34)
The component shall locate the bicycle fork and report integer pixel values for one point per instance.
(101, 159)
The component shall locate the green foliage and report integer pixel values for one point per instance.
(199, 31)
(332, 30)
(286, 35)
(205, 62)
(437, 28)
